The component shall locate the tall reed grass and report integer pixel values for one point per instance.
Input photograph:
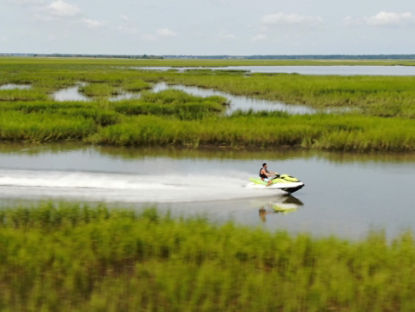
(99, 90)
(21, 95)
(70, 257)
(373, 95)
(79, 63)
(341, 133)
(135, 85)
(384, 123)
(17, 126)
(174, 103)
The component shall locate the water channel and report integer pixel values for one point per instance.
(304, 70)
(345, 195)
(237, 102)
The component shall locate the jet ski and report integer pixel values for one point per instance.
(282, 182)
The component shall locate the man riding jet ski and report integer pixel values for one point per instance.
(266, 175)
(273, 180)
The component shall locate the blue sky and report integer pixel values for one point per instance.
(237, 27)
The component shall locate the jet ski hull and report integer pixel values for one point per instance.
(285, 183)
(293, 189)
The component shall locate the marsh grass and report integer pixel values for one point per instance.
(80, 63)
(21, 95)
(92, 110)
(174, 103)
(136, 85)
(99, 90)
(343, 133)
(35, 127)
(385, 104)
(71, 257)
(195, 123)
(374, 95)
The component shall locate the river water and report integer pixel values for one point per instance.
(346, 195)
(306, 70)
(237, 102)
(12, 86)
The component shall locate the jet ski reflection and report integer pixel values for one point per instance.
(281, 205)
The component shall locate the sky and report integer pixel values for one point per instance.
(207, 27)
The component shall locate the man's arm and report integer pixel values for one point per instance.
(272, 173)
(268, 174)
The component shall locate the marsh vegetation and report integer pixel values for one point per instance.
(66, 257)
(78, 257)
(377, 113)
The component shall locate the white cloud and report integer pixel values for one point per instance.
(124, 17)
(281, 18)
(92, 23)
(384, 18)
(59, 11)
(128, 29)
(159, 33)
(259, 37)
(149, 37)
(227, 36)
(165, 32)
(60, 8)
(127, 26)
(350, 20)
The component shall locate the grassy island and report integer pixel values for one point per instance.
(368, 113)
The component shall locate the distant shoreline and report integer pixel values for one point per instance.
(225, 57)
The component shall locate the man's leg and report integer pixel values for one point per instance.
(269, 181)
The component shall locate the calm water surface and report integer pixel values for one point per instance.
(307, 70)
(12, 86)
(346, 195)
(70, 94)
(237, 102)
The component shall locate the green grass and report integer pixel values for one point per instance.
(17, 126)
(99, 90)
(174, 118)
(172, 103)
(70, 257)
(21, 95)
(270, 131)
(105, 88)
(136, 85)
(371, 95)
(195, 62)
(381, 116)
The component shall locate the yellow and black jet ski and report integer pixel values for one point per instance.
(282, 182)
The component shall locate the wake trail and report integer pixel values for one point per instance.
(126, 187)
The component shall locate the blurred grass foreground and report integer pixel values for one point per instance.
(71, 257)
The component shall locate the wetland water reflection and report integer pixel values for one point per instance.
(12, 86)
(237, 102)
(344, 195)
(70, 94)
(305, 70)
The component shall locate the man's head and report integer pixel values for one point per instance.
(264, 165)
